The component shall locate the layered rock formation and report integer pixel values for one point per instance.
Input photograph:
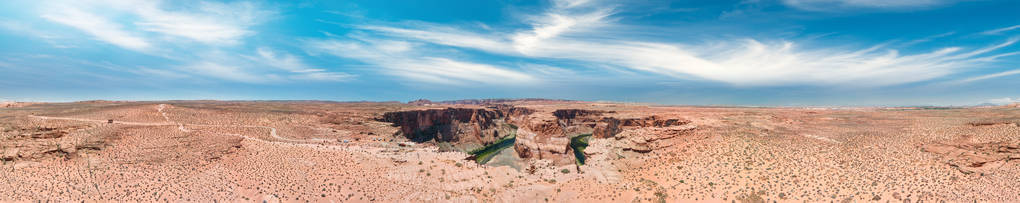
(980, 158)
(31, 143)
(444, 125)
(423, 102)
(609, 127)
(455, 124)
(538, 136)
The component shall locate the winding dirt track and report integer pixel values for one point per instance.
(310, 143)
(98, 121)
(180, 126)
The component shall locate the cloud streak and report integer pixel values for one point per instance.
(164, 29)
(988, 76)
(228, 72)
(1001, 30)
(295, 66)
(832, 5)
(98, 26)
(571, 32)
(209, 23)
(213, 23)
(401, 59)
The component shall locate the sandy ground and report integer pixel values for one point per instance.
(325, 152)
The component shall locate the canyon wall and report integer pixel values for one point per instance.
(538, 136)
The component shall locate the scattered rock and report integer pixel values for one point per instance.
(971, 158)
(9, 154)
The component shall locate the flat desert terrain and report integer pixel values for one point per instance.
(504, 151)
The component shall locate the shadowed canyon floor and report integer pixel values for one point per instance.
(327, 151)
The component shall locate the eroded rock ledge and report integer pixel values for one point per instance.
(980, 158)
(454, 124)
(537, 135)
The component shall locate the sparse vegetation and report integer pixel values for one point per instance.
(745, 151)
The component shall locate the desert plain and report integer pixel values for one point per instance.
(529, 150)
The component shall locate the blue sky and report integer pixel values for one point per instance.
(749, 52)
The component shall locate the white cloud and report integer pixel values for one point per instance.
(927, 39)
(211, 23)
(159, 73)
(143, 25)
(264, 66)
(579, 35)
(228, 72)
(1001, 30)
(405, 62)
(831, 5)
(549, 71)
(553, 25)
(98, 26)
(1003, 101)
(570, 3)
(988, 76)
(322, 76)
(447, 36)
(58, 40)
(443, 70)
(139, 24)
(293, 64)
(284, 61)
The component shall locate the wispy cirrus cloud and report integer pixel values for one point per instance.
(162, 28)
(264, 65)
(987, 76)
(298, 69)
(58, 40)
(577, 32)
(445, 35)
(833, 5)
(402, 59)
(210, 23)
(159, 73)
(100, 27)
(1001, 30)
(227, 71)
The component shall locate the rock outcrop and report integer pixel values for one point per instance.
(653, 121)
(495, 101)
(442, 125)
(537, 136)
(645, 140)
(609, 127)
(454, 124)
(568, 117)
(980, 158)
(32, 143)
(420, 102)
(510, 111)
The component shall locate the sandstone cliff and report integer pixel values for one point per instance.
(538, 136)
